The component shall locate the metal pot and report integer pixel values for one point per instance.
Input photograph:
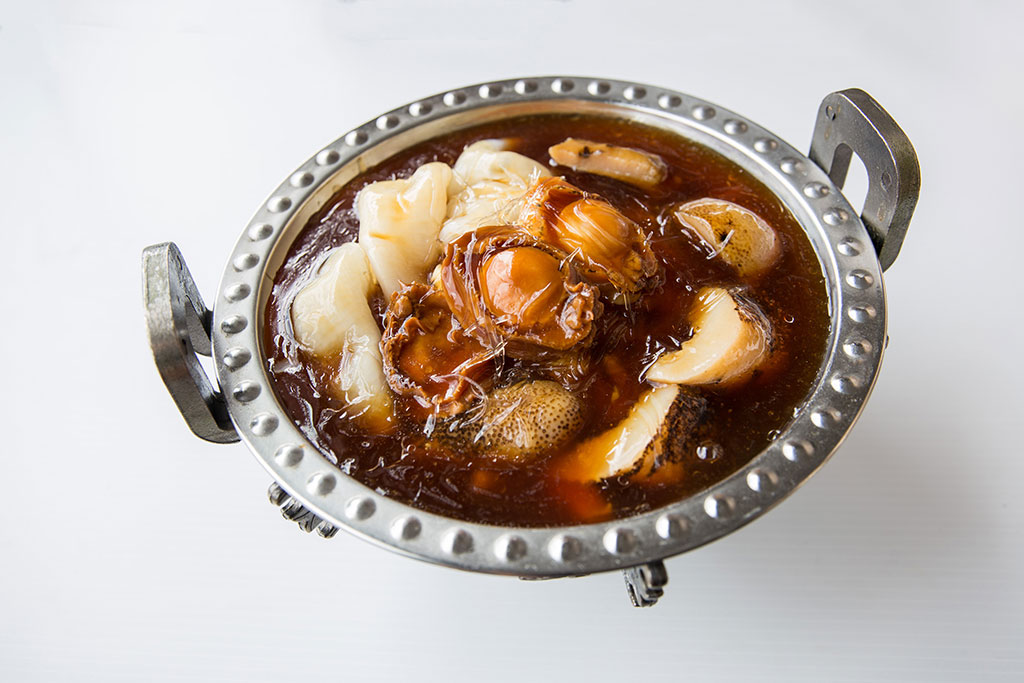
(852, 252)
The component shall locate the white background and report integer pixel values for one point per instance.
(130, 550)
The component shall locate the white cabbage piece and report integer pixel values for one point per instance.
(331, 317)
(486, 178)
(399, 222)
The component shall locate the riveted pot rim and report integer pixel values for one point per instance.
(855, 345)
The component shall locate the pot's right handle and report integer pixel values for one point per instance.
(852, 121)
(178, 323)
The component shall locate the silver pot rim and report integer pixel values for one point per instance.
(856, 340)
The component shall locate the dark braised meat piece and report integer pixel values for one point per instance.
(517, 295)
(607, 247)
(429, 356)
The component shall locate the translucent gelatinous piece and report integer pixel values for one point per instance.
(331, 317)
(731, 338)
(487, 179)
(399, 221)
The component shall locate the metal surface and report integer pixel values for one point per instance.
(849, 265)
(856, 341)
(293, 510)
(178, 323)
(645, 583)
(851, 122)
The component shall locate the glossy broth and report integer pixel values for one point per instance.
(423, 472)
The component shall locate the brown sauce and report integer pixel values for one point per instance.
(743, 420)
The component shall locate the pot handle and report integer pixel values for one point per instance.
(852, 121)
(178, 323)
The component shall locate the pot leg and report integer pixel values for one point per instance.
(645, 583)
(294, 510)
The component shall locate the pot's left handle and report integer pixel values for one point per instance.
(179, 323)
